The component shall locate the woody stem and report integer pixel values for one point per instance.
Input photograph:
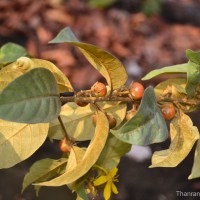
(64, 100)
(64, 129)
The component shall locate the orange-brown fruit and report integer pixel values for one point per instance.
(64, 145)
(112, 121)
(137, 90)
(79, 103)
(99, 89)
(168, 111)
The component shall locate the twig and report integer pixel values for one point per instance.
(94, 99)
(193, 102)
(64, 129)
(125, 99)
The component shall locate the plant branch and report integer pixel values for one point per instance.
(193, 102)
(94, 99)
(64, 100)
(64, 129)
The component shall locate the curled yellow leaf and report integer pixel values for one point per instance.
(90, 157)
(76, 155)
(196, 166)
(183, 136)
(174, 86)
(107, 65)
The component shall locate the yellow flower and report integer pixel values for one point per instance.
(109, 179)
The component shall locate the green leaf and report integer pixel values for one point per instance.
(78, 120)
(175, 69)
(183, 136)
(19, 141)
(193, 78)
(81, 193)
(147, 126)
(151, 7)
(107, 65)
(114, 149)
(10, 52)
(196, 165)
(193, 56)
(101, 4)
(31, 98)
(193, 75)
(44, 170)
(90, 157)
(192, 69)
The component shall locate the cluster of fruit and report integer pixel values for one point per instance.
(135, 92)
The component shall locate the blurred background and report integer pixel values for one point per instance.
(144, 35)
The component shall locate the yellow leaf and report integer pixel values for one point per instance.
(75, 156)
(7, 77)
(63, 83)
(196, 166)
(109, 66)
(78, 120)
(90, 157)
(167, 85)
(183, 136)
(19, 141)
(175, 87)
(24, 64)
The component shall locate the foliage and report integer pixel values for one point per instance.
(32, 108)
(151, 7)
(109, 66)
(38, 103)
(101, 4)
(10, 52)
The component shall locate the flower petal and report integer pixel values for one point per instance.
(107, 191)
(114, 188)
(113, 171)
(100, 180)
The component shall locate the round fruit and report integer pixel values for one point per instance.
(112, 121)
(168, 111)
(64, 145)
(81, 104)
(137, 90)
(99, 89)
(130, 114)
